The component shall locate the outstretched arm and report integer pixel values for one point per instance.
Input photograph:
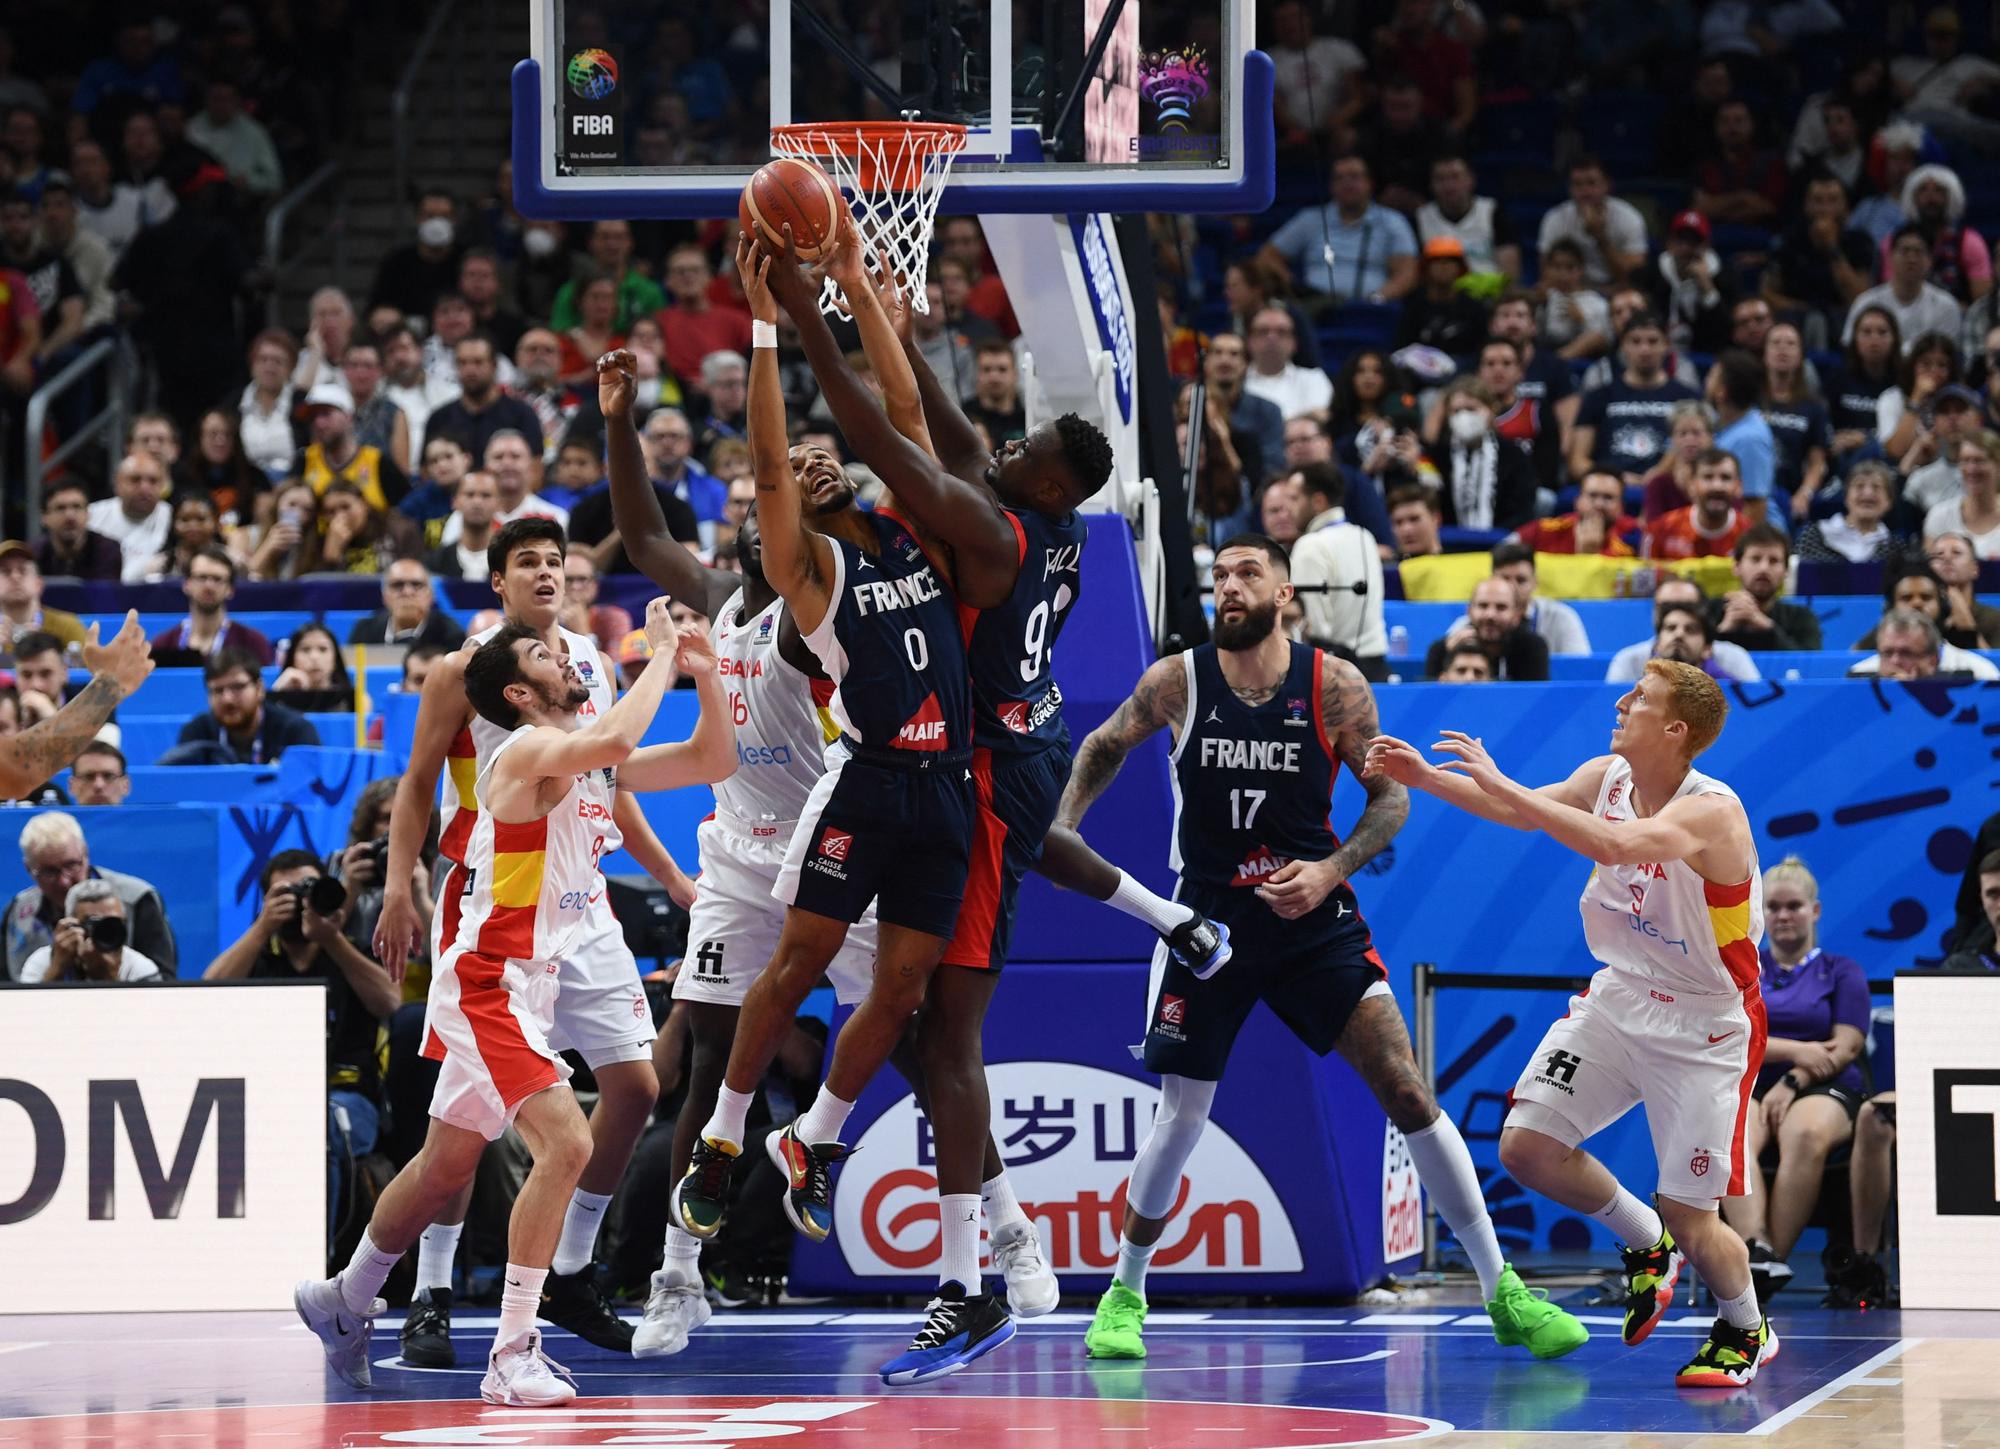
(36, 754)
(552, 753)
(797, 561)
(956, 442)
(637, 518)
(1391, 758)
(707, 755)
(1159, 700)
(900, 399)
(964, 515)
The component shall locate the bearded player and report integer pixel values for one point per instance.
(1260, 727)
(602, 1012)
(1674, 911)
(529, 870)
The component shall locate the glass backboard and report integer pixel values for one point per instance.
(655, 108)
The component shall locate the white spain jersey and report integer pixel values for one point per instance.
(528, 884)
(1662, 921)
(782, 727)
(472, 748)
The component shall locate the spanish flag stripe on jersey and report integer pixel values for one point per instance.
(462, 772)
(1729, 918)
(519, 864)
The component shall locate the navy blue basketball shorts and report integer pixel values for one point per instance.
(1015, 801)
(1312, 972)
(886, 831)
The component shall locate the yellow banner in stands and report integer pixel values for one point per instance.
(1450, 577)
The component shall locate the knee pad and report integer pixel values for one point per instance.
(1177, 1126)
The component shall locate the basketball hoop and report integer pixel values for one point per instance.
(894, 174)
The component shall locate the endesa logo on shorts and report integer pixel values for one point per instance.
(1069, 1134)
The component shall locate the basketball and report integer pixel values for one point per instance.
(796, 194)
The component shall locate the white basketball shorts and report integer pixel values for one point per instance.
(1691, 1058)
(487, 1023)
(733, 928)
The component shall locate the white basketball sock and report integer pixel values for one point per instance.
(1741, 1311)
(1133, 1260)
(1003, 1209)
(1156, 911)
(1445, 1168)
(435, 1251)
(365, 1274)
(822, 1121)
(959, 1212)
(726, 1123)
(1632, 1222)
(579, 1231)
(680, 1256)
(520, 1297)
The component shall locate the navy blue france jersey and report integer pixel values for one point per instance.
(1252, 787)
(1016, 706)
(893, 645)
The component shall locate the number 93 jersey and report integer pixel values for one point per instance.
(1016, 706)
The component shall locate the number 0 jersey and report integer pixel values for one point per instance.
(472, 748)
(1016, 706)
(893, 646)
(1252, 785)
(529, 883)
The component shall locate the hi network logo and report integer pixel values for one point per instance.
(708, 964)
(1559, 1070)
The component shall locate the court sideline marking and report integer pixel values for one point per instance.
(1826, 1391)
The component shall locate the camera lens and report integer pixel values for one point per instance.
(326, 896)
(107, 933)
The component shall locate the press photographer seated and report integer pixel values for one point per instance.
(89, 942)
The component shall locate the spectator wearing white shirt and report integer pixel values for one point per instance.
(86, 951)
(1274, 376)
(409, 384)
(1976, 512)
(1611, 232)
(475, 506)
(114, 211)
(1919, 307)
(266, 406)
(1479, 223)
(237, 140)
(1558, 624)
(137, 518)
(1337, 570)
(1319, 79)
(516, 468)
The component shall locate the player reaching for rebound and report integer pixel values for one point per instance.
(1012, 539)
(1674, 909)
(1260, 727)
(530, 869)
(601, 1013)
(890, 821)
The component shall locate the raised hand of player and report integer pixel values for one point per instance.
(1394, 759)
(1470, 759)
(127, 660)
(400, 928)
(1299, 887)
(694, 655)
(842, 260)
(753, 269)
(615, 386)
(661, 631)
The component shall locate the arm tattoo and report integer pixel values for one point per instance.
(37, 754)
(1347, 705)
(1160, 698)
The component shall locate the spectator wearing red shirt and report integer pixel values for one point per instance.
(20, 332)
(1440, 64)
(1710, 526)
(960, 237)
(1742, 182)
(1598, 526)
(692, 324)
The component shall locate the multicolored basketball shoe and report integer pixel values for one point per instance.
(1650, 1276)
(1731, 1357)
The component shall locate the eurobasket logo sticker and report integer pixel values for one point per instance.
(592, 75)
(1068, 1134)
(1175, 81)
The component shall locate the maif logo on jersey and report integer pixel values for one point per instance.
(923, 730)
(1069, 1134)
(1258, 866)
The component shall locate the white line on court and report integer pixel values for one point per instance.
(1826, 1391)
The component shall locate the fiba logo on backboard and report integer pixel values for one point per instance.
(592, 74)
(1069, 1135)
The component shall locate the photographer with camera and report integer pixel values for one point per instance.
(297, 937)
(360, 867)
(89, 942)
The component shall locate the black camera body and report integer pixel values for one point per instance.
(106, 933)
(322, 894)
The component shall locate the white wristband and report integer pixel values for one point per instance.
(763, 334)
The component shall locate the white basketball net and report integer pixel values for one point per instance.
(893, 177)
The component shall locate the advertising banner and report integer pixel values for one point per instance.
(1947, 1136)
